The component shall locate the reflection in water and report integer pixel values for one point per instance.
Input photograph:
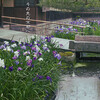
(79, 88)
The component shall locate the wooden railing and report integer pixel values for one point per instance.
(10, 22)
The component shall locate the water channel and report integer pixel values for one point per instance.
(83, 84)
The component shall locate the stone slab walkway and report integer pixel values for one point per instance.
(16, 35)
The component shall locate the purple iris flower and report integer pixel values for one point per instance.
(49, 39)
(76, 30)
(23, 47)
(2, 46)
(32, 65)
(29, 63)
(58, 56)
(19, 69)
(34, 58)
(46, 37)
(39, 77)
(36, 53)
(31, 45)
(33, 48)
(38, 44)
(60, 63)
(43, 42)
(18, 50)
(40, 54)
(26, 44)
(54, 52)
(12, 51)
(17, 62)
(49, 78)
(12, 41)
(61, 45)
(69, 29)
(20, 44)
(33, 79)
(56, 31)
(52, 36)
(45, 48)
(94, 28)
(11, 68)
(14, 57)
(42, 38)
(98, 23)
(28, 52)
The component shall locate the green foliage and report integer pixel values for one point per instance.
(73, 5)
(68, 32)
(30, 83)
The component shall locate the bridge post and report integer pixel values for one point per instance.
(77, 55)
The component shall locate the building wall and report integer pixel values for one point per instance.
(8, 3)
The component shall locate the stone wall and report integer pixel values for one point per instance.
(87, 38)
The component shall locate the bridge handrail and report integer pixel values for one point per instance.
(48, 22)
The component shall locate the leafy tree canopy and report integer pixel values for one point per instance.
(73, 5)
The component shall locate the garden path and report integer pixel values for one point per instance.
(17, 35)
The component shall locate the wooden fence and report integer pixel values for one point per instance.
(44, 24)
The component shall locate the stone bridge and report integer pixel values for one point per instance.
(88, 44)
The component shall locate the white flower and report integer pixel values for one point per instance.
(40, 51)
(14, 45)
(35, 55)
(6, 42)
(4, 49)
(48, 50)
(40, 59)
(45, 45)
(37, 48)
(33, 37)
(35, 42)
(27, 58)
(84, 21)
(19, 42)
(8, 48)
(25, 53)
(87, 25)
(16, 53)
(70, 26)
(45, 40)
(2, 63)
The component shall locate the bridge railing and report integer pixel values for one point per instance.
(42, 26)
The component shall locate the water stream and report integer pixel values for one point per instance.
(84, 84)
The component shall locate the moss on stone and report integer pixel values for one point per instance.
(66, 53)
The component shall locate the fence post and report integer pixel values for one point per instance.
(10, 24)
(1, 14)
